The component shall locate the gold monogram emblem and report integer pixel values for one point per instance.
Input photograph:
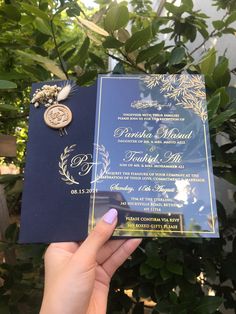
(57, 116)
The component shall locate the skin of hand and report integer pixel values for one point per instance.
(77, 275)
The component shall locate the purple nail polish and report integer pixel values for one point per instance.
(110, 216)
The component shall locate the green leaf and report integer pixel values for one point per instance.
(220, 76)
(210, 82)
(164, 307)
(71, 12)
(221, 67)
(172, 8)
(26, 19)
(34, 10)
(222, 117)
(208, 304)
(166, 30)
(165, 274)
(210, 270)
(175, 268)
(111, 42)
(177, 55)
(138, 39)
(123, 35)
(9, 178)
(229, 30)
(87, 77)
(11, 232)
(213, 105)
(207, 64)
(159, 58)
(155, 262)
(7, 84)
(42, 26)
(231, 18)
(4, 107)
(68, 44)
(12, 12)
(175, 254)
(150, 52)
(173, 297)
(203, 32)
(97, 60)
(224, 80)
(69, 54)
(41, 38)
(116, 18)
(152, 249)
(83, 52)
(230, 92)
(218, 24)
(119, 68)
(93, 27)
(190, 276)
(48, 64)
(145, 269)
(62, 8)
(188, 4)
(224, 97)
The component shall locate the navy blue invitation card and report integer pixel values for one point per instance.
(152, 157)
(58, 162)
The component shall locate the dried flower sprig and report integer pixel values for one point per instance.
(64, 92)
(50, 94)
(46, 96)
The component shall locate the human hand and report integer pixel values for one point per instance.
(77, 275)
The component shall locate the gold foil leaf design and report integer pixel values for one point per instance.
(63, 170)
(187, 90)
(105, 163)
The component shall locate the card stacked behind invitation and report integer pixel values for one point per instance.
(50, 211)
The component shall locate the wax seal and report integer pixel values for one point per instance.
(57, 116)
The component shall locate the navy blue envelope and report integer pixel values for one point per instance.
(50, 210)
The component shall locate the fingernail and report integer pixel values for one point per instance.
(110, 216)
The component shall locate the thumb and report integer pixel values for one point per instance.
(98, 237)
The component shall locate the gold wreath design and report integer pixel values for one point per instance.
(106, 163)
(66, 176)
(188, 91)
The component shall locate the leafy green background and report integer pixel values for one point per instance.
(58, 39)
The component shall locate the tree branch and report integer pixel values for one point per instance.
(118, 59)
(213, 33)
(161, 7)
(124, 61)
(57, 50)
(134, 65)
